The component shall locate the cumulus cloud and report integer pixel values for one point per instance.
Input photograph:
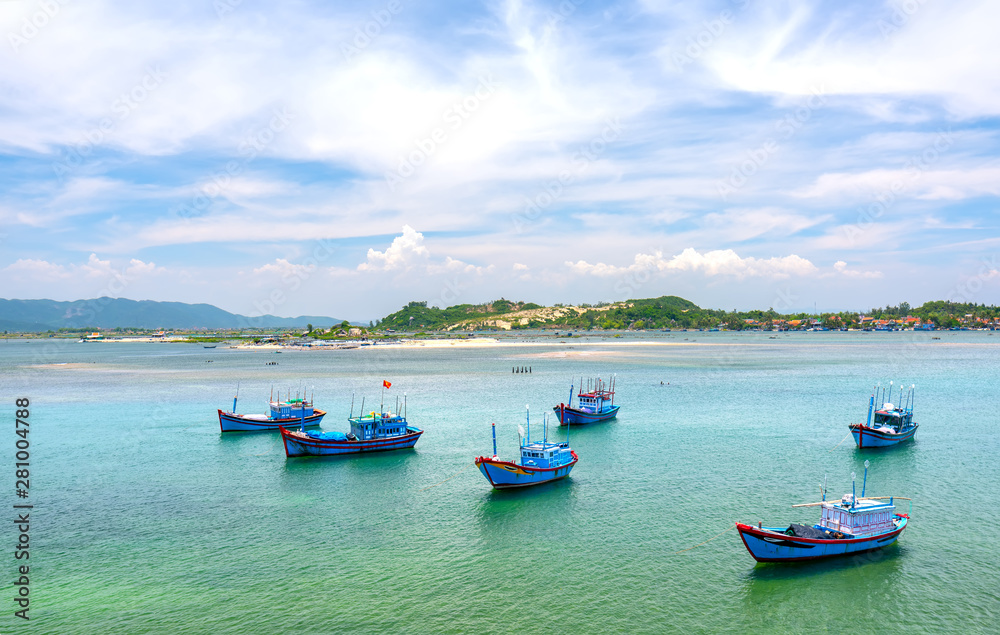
(841, 267)
(94, 268)
(409, 253)
(285, 269)
(720, 262)
(405, 252)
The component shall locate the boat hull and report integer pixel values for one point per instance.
(768, 546)
(231, 422)
(573, 416)
(506, 474)
(298, 444)
(867, 437)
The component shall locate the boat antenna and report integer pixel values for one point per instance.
(864, 482)
(352, 405)
(527, 422)
(871, 405)
(854, 500)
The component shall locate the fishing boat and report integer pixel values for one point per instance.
(291, 411)
(540, 462)
(373, 432)
(888, 425)
(848, 526)
(596, 404)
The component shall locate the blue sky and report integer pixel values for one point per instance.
(344, 159)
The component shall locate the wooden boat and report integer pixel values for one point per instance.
(597, 404)
(374, 432)
(282, 413)
(848, 526)
(891, 424)
(540, 462)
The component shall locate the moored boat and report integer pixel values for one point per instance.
(597, 404)
(539, 463)
(889, 424)
(848, 526)
(297, 411)
(374, 432)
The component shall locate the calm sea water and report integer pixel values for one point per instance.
(147, 520)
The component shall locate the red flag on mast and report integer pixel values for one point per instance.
(386, 384)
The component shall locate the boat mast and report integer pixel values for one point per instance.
(871, 404)
(545, 427)
(494, 440)
(527, 422)
(236, 397)
(854, 498)
(352, 406)
(570, 402)
(865, 482)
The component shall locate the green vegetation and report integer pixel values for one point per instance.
(670, 312)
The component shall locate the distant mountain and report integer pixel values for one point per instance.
(43, 315)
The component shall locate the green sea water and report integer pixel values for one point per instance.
(147, 520)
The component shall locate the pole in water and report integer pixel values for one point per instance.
(864, 482)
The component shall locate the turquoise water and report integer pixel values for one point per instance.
(147, 520)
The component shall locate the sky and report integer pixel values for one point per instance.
(343, 159)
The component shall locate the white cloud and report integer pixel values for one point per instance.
(722, 262)
(405, 252)
(916, 183)
(285, 269)
(93, 269)
(841, 267)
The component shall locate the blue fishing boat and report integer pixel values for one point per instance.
(374, 432)
(540, 462)
(297, 411)
(597, 404)
(848, 526)
(888, 425)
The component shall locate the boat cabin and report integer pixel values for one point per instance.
(859, 518)
(378, 426)
(593, 402)
(891, 417)
(291, 409)
(546, 454)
